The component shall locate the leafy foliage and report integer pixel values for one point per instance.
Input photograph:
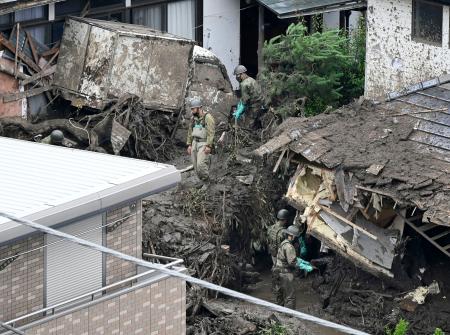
(439, 331)
(275, 328)
(325, 68)
(400, 328)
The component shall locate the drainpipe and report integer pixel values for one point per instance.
(260, 37)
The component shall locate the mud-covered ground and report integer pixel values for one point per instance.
(196, 224)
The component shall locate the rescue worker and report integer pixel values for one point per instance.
(251, 98)
(56, 138)
(200, 139)
(285, 267)
(275, 233)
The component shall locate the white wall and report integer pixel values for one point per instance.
(394, 61)
(221, 32)
(331, 20)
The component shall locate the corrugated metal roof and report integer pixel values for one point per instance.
(56, 184)
(293, 8)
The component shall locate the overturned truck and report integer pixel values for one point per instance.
(101, 62)
(359, 175)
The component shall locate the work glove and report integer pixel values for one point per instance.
(239, 110)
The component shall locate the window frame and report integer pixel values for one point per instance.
(422, 40)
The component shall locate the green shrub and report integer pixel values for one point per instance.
(326, 68)
(400, 328)
(439, 331)
(275, 328)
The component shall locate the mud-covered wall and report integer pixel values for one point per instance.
(394, 60)
(221, 32)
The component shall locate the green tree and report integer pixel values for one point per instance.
(303, 74)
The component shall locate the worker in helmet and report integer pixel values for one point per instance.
(251, 104)
(200, 139)
(275, 233)
(56, 138)
(285, 267)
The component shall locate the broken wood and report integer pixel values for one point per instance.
(28, 61)
(20, 5)
(44, 73)
(51, 51)
(32, 47)
(8, 70)
(422, 112)
(50, 61)
(277, 165)
(377, 192)
(16, 68)
(30, 93)
(355, 226)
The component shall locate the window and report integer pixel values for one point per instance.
(68, 7)
(150, 16)
(6, 20)
(181, 18)
(31, 14)
(177, 17)
(101, 3)
(427, 22)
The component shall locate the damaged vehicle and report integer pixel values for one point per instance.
(362, 174)
(102, 60)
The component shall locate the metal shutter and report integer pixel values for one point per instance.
(73, 270)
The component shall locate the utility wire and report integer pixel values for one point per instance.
(173, 273)
(61, 240)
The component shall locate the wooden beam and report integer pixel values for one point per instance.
(277, 165)
(377, 192)
(28, 61)
(42, 74)
(17, 96)
(355, 226)
(50, 61)
(32, 47)
(51, 51)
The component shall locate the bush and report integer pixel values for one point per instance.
(400, 328)
(325, 68)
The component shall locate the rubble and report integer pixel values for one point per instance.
(363, 172)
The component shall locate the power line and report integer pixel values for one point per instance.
(61, 240)
(173, 273)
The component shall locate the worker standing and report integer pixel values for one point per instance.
(275, 233)
(250, 107)
(285, 267)
(200, 139)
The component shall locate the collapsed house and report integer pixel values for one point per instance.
(367, 170)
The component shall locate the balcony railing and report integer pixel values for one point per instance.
(104, 292)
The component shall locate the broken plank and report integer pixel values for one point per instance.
(427, 227)
(32, 47)
(20, 5)
(39, 75)
(377, 192)
(51, 51)
(28, 61)
(355, 226)
(26, 94)
(277, 165)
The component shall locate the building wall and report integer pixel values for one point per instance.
(22, 285)
(394, 61)
(22, 281)
(9, 84)
(126, 237)
(221, 32)
(158, 308)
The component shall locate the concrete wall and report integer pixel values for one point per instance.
(22, 281)
(221, 32)
(158, 308)
(393, 59)
(126, 237)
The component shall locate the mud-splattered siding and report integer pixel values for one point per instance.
(129, 70)
(72, 54)
(167, 74)
(394, 60)
(97, 63)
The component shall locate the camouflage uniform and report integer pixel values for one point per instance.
(285, 266)
(251, 96)
(275, 237)
(201, 134)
